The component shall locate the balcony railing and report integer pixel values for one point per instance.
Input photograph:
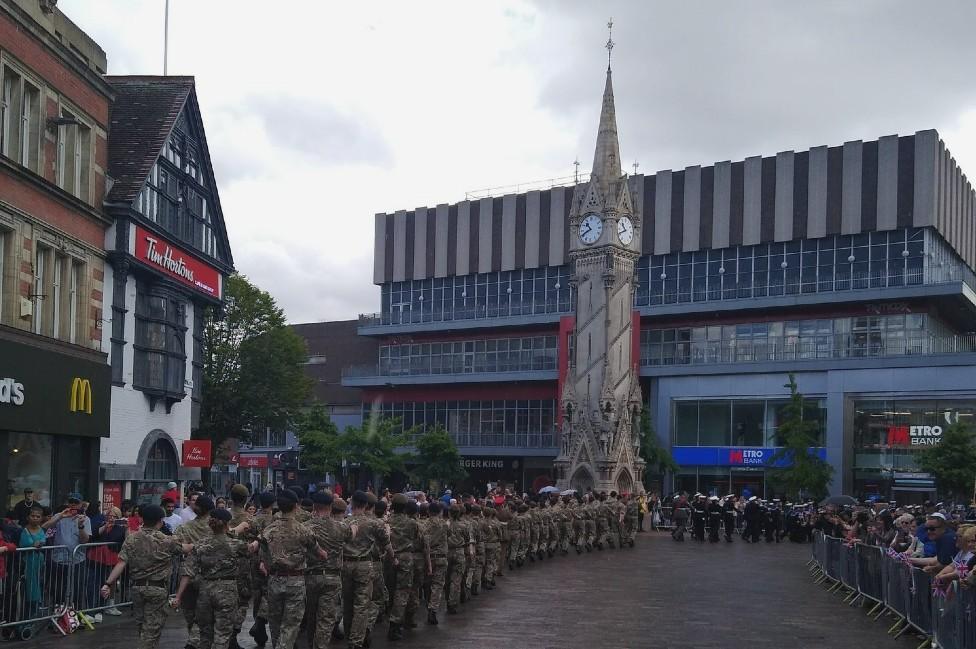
(419, 316)
(827, 347)
(453, 365)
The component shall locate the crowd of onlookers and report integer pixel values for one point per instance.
(939, 539)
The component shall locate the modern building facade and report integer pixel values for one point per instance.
(54, 377)
(848, 265)
(168, 257)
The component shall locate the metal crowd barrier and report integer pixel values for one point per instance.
(946, 619)
(42, 583)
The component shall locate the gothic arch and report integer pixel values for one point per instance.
(624, 481)
(582, 479)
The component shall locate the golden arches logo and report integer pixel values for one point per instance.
(81, 396)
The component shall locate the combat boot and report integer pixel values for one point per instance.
(337, 633)
(394, 632)
(432, 617)
(259, 631)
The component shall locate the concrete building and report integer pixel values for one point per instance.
(54, 379)
(169, 256)
(849, 265)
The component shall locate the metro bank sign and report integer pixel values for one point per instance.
(177, 264)
(749, 457)
(756, 457)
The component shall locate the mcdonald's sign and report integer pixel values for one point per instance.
(81, 396)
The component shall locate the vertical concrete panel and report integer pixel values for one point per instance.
(637, 192)
(817, 194)
(484, 235)
(783, 211)
(662, 207)
(752, 202)
(850, 210)
(420, 243)
(379, 248)
(557, 226)
(399, 246)
(463, 263)
(888, 182)
(440, 241)
(508, 232)
(926, 167)
(532, 229)
(692, 209)
(722, 205)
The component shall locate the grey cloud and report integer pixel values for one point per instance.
(699, 82)
(321, 132)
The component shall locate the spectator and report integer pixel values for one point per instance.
(23, 508)
(962, 562)
(187, 513)
(32, 536)
(172, 492)
(102, 558)
(72, 527)
(172, 520)
(943, 545)
(221, 503)
(904, 540)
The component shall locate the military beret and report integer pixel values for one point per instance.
(297, 492)
(339, 505)
(412, 507)
(152, 514)
(266, 499)
(221, 515)
(286, 497)
(400, 499)
(322, 498)
(204, 503)
(239, 490)
(371, 498)
(359, 498)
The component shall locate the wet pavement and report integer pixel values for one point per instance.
(660, 594)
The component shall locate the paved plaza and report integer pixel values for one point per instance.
(661, 594)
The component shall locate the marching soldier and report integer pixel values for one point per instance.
(714, 519)
(259, 581)
(404, 535)
(460, 546)
(357, 569)
(631, 518)
(493, 537)
(438, 530)
(728, 517)
(422, 566)
(753, 517)
(238, 497)
(148, 554)
(698, 517)
(323, 580)
(192, 533)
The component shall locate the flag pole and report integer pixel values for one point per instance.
(166, 39)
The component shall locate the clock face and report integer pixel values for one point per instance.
(590, 228)
(625, 230)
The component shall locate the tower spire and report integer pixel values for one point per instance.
(606, 159)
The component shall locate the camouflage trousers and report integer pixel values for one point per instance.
(455, 575)
(149, 608)
(544, 537)
(602, 531)
(515, 551)
(590, 531)
(438, 578)
(614, 531)
(478, 569)
(419, 579)
(380, 599)
(630, 529)
(404, 586)
(492, 554)
(216, 612)
(189, 607)
(322, 606)
(565, 535)
(579, 533)
(533, 539)
(259, 587)
(357, 591)
(554, 535)
(244, 593)
(286, 606)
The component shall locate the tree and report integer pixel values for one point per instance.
(372, 447)
(795, 470)
(658, 459)
(437, 458)
(252, 373)
(319, 439)
(953, 461)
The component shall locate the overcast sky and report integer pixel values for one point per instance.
(321, 114)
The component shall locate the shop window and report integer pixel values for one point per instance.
(747, 423)
(30, 466)
(686, 423)
(714, 423)
(159, 366)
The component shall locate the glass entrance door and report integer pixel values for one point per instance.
(749, 482)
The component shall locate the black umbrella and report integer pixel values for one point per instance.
(841, 501)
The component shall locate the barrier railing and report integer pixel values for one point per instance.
(45, 583)
(945, 616)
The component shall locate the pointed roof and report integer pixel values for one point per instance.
(606, 159)
(142, 117)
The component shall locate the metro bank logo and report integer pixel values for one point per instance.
(747, 457)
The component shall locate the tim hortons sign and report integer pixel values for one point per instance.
(198, 453)
(177, 264)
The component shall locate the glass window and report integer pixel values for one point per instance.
(748, 418)
(29, 465)
(714, 423)
(686, 423)
(160, 345)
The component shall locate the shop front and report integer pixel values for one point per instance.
(54, 407)
(722, 470)
(889, 435)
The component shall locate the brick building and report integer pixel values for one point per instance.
(54, 380)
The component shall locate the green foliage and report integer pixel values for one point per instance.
(319, 438)
(953, 461)
(373, 446)
(807, 474)
(252, 374)
(658, 458)
(437, 458)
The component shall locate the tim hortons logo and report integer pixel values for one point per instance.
(165, 260)
(196, 454)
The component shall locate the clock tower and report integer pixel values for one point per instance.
(601, 398)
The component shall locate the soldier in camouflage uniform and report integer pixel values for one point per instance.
(214, 564)
(631, 516)
(404, 535)
(285, 543)
(380, 601)
(566, 537)
(504, 517)
(259, 580)
(193, 532)
(148, 554)
(460, 545)
(478, 527)
(238, 497)
(323, 577)
(422, 566)
(602, 521)
(614, 513)
(357, 569)
(493, 539)
(525, 534)
(436, 532)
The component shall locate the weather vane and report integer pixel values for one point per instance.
(610, 42)
(576, 163)
(636, 167)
